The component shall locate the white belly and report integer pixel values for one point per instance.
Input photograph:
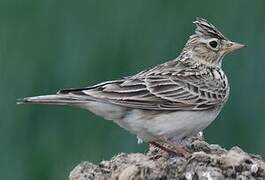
(151, 125)
(174, 124)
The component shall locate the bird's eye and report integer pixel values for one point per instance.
(213, 44)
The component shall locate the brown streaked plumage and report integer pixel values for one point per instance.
(173, 100)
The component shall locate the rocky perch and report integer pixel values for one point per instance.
(208, 162)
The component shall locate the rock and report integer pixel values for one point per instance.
(208, 162)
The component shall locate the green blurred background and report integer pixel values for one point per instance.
(46, 45)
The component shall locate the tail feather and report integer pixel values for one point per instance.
(56, 99)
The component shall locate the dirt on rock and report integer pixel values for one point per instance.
(207, 162)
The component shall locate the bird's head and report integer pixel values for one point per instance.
(208, 45)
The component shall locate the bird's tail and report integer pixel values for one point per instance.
(56, 99)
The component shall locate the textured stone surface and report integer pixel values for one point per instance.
(208, 162)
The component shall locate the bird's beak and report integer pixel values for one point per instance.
(232, 46)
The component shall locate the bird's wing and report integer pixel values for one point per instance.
(177, 90)
(196, 89)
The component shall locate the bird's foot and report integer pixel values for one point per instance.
(175, 149)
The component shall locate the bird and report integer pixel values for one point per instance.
(165, 104)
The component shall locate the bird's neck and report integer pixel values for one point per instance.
(194, 58)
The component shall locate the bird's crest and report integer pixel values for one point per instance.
(204, 28)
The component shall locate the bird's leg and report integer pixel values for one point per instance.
(172, 148)
(179, 149)
(162, 147)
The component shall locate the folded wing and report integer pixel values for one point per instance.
(159, 91)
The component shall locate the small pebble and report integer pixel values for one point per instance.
(254, 168)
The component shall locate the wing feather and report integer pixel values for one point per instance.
(186, 89)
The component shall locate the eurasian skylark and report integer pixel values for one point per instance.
(167, 103)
